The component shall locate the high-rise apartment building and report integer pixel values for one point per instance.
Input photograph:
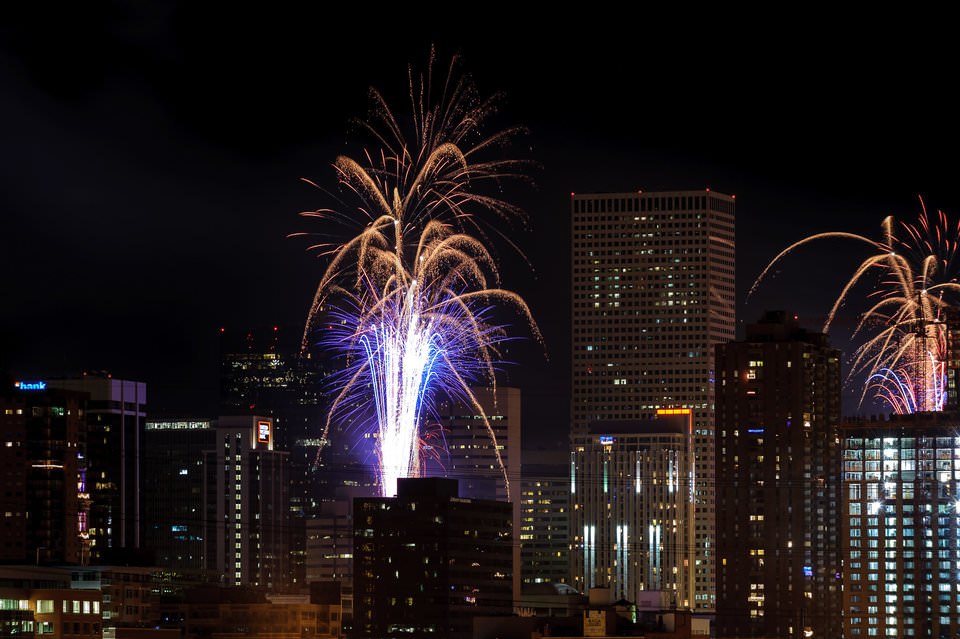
(653, 292)
(901, 526)
(115, 415)
(778, 482)
(631, 486)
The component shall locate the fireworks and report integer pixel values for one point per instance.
(411, 297)
(903, 349)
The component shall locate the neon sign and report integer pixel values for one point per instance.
(31, 385)
(606, 439)
(263, 432)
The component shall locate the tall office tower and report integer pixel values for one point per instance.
(901, 526)
(172, 497)
(245, 505)
(653, 292)
(217, 502)
(778, 482)
(633, 504)
(115, 416)
(427, 561)
(41, 479)
(263, 372)
(544, 530)
(483, 469)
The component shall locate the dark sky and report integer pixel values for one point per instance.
(151, 157)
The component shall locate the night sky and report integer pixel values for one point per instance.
(152, 156)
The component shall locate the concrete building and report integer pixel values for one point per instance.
(631, 487)
(219, 503)
(778, 482)
(43, 496)
(427, 561)
(115, 413)
(653, 292)
(900, 526)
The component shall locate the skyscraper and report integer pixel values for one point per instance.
(115, 414)
(778, 483)
(632, 518)
(653, 291)
(217, 502)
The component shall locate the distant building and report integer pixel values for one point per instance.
(126, 593)
(115, 414)
(234, 613)
(544, 530)
(778, 482)
(219, 504)
(901, 529)
(482, 468)
(330, 549)
(427, 561)
(653, 292)
(631, 490)
(39, 602)
(173, 514)
(43, 498)
(263, 372)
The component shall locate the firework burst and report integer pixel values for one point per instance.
(410, 299)
(902, 331)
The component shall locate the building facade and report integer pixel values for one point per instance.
(218, 507)
(544, 530)
(483, 450)
(778, 482)
(631, 486)
(115, 413)
(901, 526)
(653, 292)
(427, 561)
(43, 501)
(245, 505)
(173, 522)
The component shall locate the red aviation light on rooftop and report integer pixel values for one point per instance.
(708, 190)
(673, 411)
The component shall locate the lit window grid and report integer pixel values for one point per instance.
(900, 532)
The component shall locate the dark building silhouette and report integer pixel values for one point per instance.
(43, 517)
(427, 561)
(173, 512)
(218, 507)
(901, 526)
(778, 482)
(115, 415)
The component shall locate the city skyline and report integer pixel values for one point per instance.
(199, 141)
